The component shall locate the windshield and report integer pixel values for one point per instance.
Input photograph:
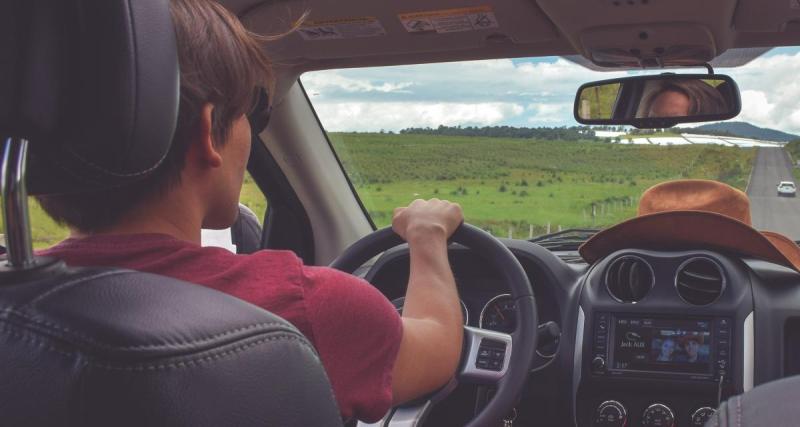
(498, 137)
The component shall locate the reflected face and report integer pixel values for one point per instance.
(691, 349)
(670, 104)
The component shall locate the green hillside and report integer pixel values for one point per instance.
(504, 184)
(518, 184)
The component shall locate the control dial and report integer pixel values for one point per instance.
(700, 416)
(658, 415)
(598, 364)
(610, 414)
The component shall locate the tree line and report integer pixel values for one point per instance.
(573, 133)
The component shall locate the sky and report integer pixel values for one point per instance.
(519, 92)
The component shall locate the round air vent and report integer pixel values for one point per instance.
(629, 278)
(699, 281)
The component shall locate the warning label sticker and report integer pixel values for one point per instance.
(345, 28)
(450, 20)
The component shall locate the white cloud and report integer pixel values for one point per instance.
(756, 108)
(321, 82)
(770, 91)
(374, 116)
(544, 114)
(516, 93)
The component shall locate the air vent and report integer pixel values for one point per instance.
(699, 281)
(629, 279)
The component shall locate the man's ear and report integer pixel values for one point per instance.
(203, 147)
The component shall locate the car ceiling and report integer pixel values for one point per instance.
(609, 33)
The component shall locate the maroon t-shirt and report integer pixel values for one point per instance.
(355, 329)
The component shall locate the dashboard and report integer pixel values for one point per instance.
(645, 337)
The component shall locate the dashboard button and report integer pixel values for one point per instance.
(610, 414)
(658, 415)
(598, 364)
(701, 416)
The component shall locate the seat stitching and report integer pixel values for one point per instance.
(206, 359)
(739, 410)
(33, 339)
(71, 283)
(96, 343)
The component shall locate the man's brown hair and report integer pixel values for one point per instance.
(704, 99)
(221, 63)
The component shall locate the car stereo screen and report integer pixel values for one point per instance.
(662, 345)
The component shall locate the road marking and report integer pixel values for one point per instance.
(750, 178)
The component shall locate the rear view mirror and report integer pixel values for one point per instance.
(658, 101)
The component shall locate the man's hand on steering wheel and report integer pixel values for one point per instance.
(425, 219)
(436, 348)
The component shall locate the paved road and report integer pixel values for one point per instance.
(770, 212)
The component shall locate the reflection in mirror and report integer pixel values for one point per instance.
(658, 100)
(682, 98)
(597, 102)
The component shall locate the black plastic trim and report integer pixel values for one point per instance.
(336, 156)
(286, 223)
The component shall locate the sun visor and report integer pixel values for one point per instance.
(767, 16)
(374, 29)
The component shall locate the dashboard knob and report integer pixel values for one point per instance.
(610, 414)
(700, 416)
(658, 415)
(598, 364)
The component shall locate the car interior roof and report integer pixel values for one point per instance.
(690, 32)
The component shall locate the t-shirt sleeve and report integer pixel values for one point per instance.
(357, 333)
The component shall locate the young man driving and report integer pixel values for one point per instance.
(373, 357)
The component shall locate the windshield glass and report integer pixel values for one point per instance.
(498, 137)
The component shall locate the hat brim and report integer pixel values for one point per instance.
(691, 229)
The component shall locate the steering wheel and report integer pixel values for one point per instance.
(514, 352)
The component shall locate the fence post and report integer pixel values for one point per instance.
(559, 227)
(530, 231)
(510, 232)
(548, 228)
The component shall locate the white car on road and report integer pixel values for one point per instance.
(786, 188)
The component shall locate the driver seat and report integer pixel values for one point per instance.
(88, 99)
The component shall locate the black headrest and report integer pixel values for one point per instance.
(94, 86)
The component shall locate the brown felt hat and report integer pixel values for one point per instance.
(694, 213)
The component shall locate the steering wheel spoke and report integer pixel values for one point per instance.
(487, 356)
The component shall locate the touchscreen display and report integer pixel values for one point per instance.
(667, 345)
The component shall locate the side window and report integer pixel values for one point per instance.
(44, 231)
(245, 234)
(252, 197)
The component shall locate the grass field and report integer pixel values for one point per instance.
(794, 152)
(503, 184)
(513, 184)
